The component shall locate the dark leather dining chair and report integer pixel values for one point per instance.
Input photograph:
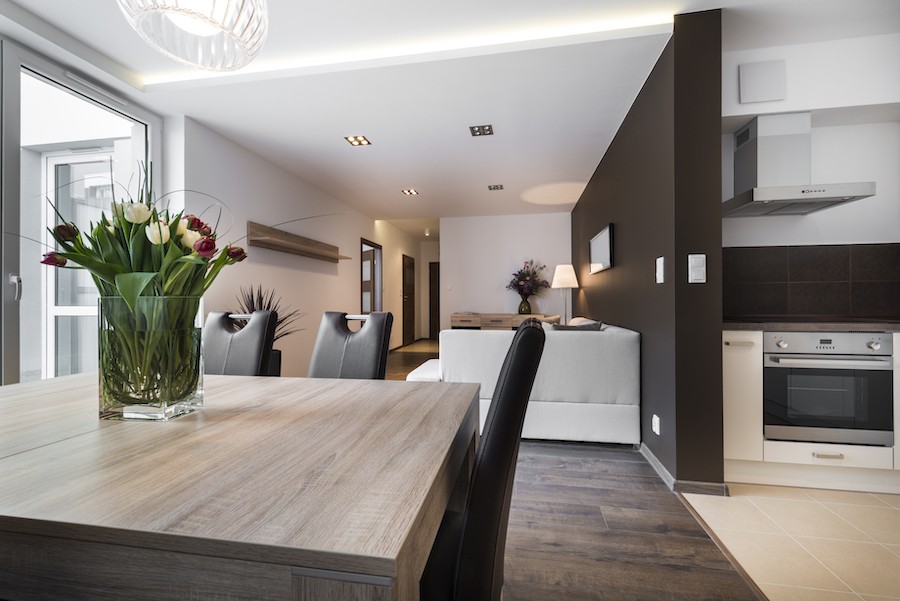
(233, 351)
(340, 352)
(466, 561)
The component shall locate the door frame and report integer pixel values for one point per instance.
(376, 301)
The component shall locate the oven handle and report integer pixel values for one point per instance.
(837, 363)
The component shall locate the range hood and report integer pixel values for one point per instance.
(772, 171)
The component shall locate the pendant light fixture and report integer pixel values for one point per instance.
(219, 35)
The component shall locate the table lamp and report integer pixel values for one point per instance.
(564, 277)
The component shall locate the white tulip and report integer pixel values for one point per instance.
(157, 232)
(189, 238)
(136, 212)
(182, 227)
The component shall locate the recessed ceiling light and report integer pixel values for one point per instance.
(481, 130)
(411, 192)
(495, 187)
(357, 140)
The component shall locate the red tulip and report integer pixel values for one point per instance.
(236, 253)
(54, 259)
(205, 247)
(65, 232)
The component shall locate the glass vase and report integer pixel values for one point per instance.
(524, 307)
(151, 359)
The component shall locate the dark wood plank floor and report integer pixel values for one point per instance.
(403, 360)
(592, 522)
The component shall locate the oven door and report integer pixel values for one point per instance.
(828, 398)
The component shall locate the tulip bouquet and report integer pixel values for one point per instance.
(151, 269)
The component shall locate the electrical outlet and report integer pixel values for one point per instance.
(654, 424)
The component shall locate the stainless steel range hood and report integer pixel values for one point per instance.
(772, 171)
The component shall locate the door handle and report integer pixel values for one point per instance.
(16, 281)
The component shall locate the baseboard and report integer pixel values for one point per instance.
(658, 467)
(682, 486)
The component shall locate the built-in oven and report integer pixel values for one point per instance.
(828, 387)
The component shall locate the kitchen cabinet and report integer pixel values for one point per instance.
(834, 455)
(742, 395)
(896, 400)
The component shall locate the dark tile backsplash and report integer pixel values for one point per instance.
(819, 264)
(836, 281)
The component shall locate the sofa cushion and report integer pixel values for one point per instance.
(579, 321)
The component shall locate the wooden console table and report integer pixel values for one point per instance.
(279, 488)
(493, 321)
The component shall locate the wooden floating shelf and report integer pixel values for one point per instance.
(264, 236)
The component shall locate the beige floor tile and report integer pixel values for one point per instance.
(881, 523)
(764, 490)
(895, 549)
(778, 559)
(777, 592)
(892, 500)
(846, 496)
(735, 513)
(809, 518)
(868, 568)
(877, 598)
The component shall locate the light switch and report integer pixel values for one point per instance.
(660, 270)
(696, 269)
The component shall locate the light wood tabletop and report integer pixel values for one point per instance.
(279, 488)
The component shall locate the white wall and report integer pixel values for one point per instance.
(256, 190)
(395, 243)
(840, 73)
(852, 153)
(480, 254)
(852, 88)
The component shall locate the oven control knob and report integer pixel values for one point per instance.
(874, 345)
(781, 344)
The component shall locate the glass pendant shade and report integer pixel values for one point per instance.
(219, 35)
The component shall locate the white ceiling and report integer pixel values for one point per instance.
(555, 80)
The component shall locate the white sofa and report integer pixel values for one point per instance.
(587, 386)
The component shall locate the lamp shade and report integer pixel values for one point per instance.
(219, 35)
(564, 277)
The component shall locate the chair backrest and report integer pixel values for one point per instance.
(342, 353)
(230, 351)
(479, 574)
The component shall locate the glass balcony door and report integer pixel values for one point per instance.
(73, 148)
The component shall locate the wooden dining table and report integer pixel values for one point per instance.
(278, 488)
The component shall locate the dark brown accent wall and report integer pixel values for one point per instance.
(659, 183)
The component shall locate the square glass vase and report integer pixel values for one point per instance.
(151, 357)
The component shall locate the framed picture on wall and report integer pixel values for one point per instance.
(601, 250)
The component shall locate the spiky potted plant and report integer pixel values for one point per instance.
(255, 298)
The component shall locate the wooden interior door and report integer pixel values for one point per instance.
(434, 300)
(409, 300)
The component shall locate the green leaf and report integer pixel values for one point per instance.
(130, 285)
(173, 253)
(136, 246)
